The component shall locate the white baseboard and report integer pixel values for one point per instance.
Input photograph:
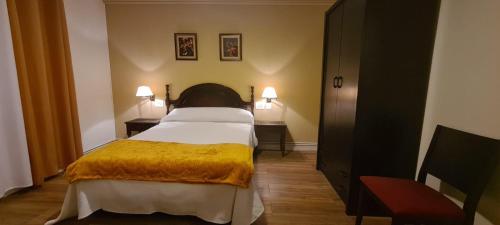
(289, 146)
(96, 147)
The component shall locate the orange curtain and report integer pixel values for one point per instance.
(45, 75)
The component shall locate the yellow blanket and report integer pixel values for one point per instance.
(166, 162)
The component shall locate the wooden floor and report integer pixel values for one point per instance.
(292, 190)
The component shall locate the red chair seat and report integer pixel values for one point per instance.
(409, 199)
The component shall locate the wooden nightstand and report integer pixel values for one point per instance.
(273, 126)
(140, 125)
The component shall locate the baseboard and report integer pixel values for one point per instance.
(13, 190)
(289, 146)
(96, 147)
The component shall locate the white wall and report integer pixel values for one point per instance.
(88, 40)
(14, 161)
(464, 88)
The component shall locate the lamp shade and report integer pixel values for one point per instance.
(269, 93)
(144, 91)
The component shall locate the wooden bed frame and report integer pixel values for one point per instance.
(209, 95)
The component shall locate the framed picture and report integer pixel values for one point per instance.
(186, 46)
(230, 47)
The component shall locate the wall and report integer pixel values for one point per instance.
(14, 161)
(464, 86)
(88, 40)
(282, 47)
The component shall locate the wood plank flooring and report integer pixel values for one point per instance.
(292, 190)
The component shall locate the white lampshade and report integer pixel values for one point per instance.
(144, 91)
(269, 93)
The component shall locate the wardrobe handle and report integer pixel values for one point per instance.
(341, 82)
(335, 79)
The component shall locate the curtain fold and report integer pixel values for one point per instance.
(45, 75)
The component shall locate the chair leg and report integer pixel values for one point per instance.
(359, 213)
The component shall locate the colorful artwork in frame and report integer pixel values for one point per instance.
(230, 47)
(186, 46)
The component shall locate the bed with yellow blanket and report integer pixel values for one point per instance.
(195, 162)
(166, 162)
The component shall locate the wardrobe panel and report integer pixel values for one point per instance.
(331, 68)
(347, 92)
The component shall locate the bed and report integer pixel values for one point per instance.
(203, 114)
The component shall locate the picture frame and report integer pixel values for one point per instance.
(230, 46)
(186, 46)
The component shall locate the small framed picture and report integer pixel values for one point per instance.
(186, 46)
(230, 47)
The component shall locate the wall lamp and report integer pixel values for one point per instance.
(145, 91)
(269, 94)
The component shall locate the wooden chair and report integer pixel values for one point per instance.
(462, 160)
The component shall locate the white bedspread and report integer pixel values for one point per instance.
(212, 203)
(200, 133)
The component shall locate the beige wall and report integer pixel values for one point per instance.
(88, 41)
(464, 89)
(282, 47)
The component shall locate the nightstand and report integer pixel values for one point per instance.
(140, 125)
(273, 126)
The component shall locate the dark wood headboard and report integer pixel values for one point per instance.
(209, 95)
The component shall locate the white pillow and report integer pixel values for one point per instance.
(210, 114)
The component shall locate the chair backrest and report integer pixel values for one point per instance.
(463, 160)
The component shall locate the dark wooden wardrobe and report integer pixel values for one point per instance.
(376, 64)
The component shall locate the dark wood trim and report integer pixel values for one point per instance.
(168, 102)
(323, 80)
(241, 47)
(195, 46)
(209, 95)
(334, 6)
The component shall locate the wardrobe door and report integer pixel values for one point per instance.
(333, 36)
(354, 11)
(347, 94)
